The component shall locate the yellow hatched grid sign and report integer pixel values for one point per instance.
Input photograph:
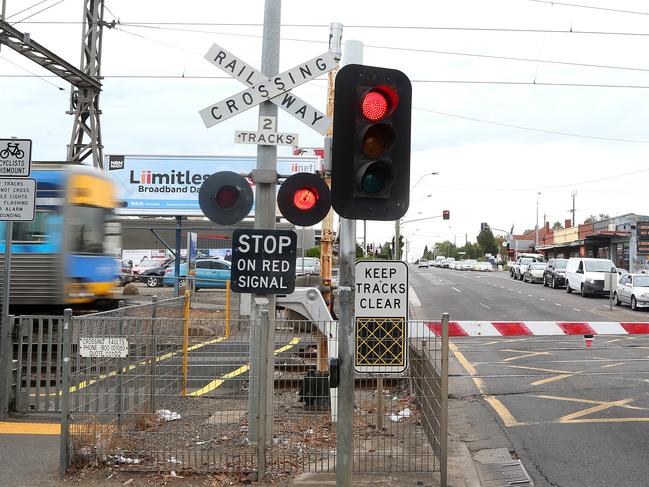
(381, 344)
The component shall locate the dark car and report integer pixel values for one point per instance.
(126, 273)
(154, 277)
(555, 273)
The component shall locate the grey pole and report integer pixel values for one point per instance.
(397, 234)
(265, 194)
(353, 53)
(179, 222)
(5, 335)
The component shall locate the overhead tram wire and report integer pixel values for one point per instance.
(592, 7)
(36, 13)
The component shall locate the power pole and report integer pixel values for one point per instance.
(574, 193)
(84, 101)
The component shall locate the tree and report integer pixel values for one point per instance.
(425, 254)
(487, 242)
(557, 226)
(359, 252)
(313, 252)
(595, 219)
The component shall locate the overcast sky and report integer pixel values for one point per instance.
(468, 98)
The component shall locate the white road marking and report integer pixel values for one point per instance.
(529, 295)
(575, 309)
(542, 299)
(457, 290)
(510, 289)
(557, 304)
(413, 299)
(482, 304)
(519, 292)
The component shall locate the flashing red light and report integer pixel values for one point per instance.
(375, 105)
(304, 199)
(227, 196)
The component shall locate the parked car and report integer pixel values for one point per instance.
(446, 263)
(307, 266)
(146, 264)
(468, 264)
(423, 263)
(534, 272)
(555, 273)
(209, 273)
(633, 289)
(518, 269)
(125, 274)
(484, 267)
(154, 276)
(587, 276)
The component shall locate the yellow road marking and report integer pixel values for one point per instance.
(565, 375)
(585, 412)
(553, 371)
(585, 401)
(30, 429)
(244, 368)
(502, 411)
(166, 356)
(526, 354)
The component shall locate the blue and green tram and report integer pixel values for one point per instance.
(66, 256)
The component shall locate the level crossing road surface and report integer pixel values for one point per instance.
(576, 415)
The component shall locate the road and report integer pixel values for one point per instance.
(576, 416)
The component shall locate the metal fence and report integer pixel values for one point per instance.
(187, 394)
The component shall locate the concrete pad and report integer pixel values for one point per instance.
(226, 417)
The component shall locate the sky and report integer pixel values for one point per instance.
(511, 98)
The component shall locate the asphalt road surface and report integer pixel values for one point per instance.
(576, 415)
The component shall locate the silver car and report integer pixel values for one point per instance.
(633, 289)
(534, 272)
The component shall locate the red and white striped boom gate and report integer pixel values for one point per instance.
(529, 328)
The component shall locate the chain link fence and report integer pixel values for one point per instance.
(186, 394)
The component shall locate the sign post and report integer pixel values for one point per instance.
(17, 203)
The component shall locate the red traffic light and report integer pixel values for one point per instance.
(379, 102)
(226, 196)
(305, 198)
(446, 214)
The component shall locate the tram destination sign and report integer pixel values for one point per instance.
(263, 261)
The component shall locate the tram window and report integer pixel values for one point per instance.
(85, 227)
(32, 232)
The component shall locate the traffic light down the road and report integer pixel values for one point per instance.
(304, 199)
(371, 143)
(225, 197)
(446, 215)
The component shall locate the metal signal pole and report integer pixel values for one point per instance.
(353, 54)
(259, 407)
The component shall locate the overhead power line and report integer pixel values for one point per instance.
(544, 131)
(592, 7)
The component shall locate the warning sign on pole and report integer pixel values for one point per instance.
(381, 311)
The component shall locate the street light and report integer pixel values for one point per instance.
(537, 220)
(434, 173)
(397, 229)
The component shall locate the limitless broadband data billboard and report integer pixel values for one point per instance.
(169, 185)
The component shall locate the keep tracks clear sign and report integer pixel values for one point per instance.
(381, 311)
(263, 261)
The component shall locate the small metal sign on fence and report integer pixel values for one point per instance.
(109, 347)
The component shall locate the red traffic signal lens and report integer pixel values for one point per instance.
(227, 196)
(305, 199)
(446, 214)
(379, 102)
(378, 139)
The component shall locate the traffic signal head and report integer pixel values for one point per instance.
(304, 199)
(225, 197)
(446, 215)
(371, 143)
(484, 226)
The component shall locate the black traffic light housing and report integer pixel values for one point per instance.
(304, 199)
(446, 215)
(225, 197)
(371, 143)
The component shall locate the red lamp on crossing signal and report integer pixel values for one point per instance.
(304, 199)
(225, 197)
(371, 143)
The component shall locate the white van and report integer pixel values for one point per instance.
(587, 275)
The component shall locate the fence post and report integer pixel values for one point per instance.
(227, 308)
(183, 392)
(6, 354)
(120, 365)
(65, 390)
(261, 419)
(443, 426)
(153, 353)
